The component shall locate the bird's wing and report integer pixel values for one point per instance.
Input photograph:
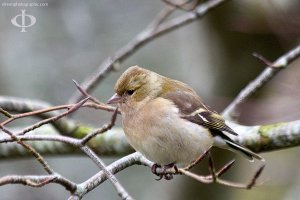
(191, 108)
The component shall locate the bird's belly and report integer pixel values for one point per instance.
(164, 143)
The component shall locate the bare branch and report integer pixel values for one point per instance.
(263, 59)
(31, 150)
(31, 107)
(83, 92)
(232, 109)
(119, 188)
(38, 181)
(141, 39)
(32, 113)
(46, 142)
(5, 113)
(214, 176)
(55, 118)
(115, 167)
(161, 17)
(260, 138)
(79, 143)
(199, 159)
(23, 105)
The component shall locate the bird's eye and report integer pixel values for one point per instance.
(130, 92)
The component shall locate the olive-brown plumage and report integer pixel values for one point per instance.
(167, 121)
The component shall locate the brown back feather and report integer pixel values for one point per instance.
(187, 101)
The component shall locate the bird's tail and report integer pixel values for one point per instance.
(243, 150)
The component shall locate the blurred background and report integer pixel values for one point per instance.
(213, 55)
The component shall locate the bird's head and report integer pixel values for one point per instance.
(135, 87)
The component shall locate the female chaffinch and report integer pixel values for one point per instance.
(166, 120)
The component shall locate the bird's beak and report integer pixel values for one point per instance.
(115, 99)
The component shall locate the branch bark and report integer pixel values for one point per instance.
(260, 138)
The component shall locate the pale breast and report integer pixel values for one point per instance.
(163, 137)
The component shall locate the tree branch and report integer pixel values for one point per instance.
(141, 39)
(260, 138)
(231, 112)
(115, 167)
(23, 105)
(38, 181)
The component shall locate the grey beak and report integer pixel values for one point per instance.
(115, 99)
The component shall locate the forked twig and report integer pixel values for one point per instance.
(95, 100)
(231, 112)
(29, 107)
(263, 59)
(83, 92)
(110, 176)
(55, 118)
(214, 176)
(105, 127)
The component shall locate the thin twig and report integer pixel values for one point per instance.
(225, 168)
(201, 179)
(231, 112)
(30, 107)
(117, 166)
(55, 118)
(38, 181)
(97, 104)
(161, 17)
(263, 59)
(36, 112)
(256, 175)
(199, 159)
(83, 92)
(31, 150)
(119, 188)
(214, 176)
(5, 113)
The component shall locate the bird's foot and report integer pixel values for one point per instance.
(162, 172)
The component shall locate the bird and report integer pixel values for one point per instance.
(166, 120)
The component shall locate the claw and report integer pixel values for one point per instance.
(153, 169)
(160, 177)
